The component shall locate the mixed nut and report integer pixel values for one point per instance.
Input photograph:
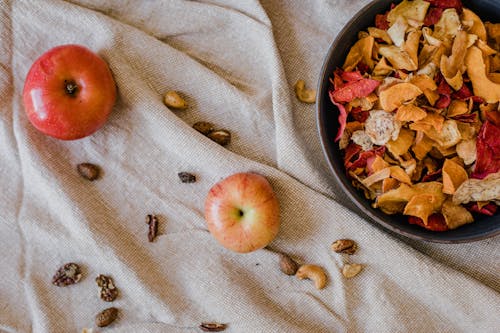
(221, 136)
(66, 275)
(106, 317)
(152, 222)
(88, 171)
(107, 290)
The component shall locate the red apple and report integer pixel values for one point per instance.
(242, 212)
(69, 92)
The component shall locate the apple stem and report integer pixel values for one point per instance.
(71, 87)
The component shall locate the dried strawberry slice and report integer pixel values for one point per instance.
(463, 93)
(465, 118)
(381, 21)
(351, 76)
(350, 151)
(432, 176)
(489, 209)
(457, 4)
(365, 156)
(494, 117)
(337, 79)
(342, 117)
(433, 16)
(362, 67)
(443, 102)
(435, 222)
(354, 89)
(359, 115)
(488, 150)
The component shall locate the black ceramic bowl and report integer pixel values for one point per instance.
(327, 113)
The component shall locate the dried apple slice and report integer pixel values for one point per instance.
(487, 189)
(448, 25)
(413, 10)
(398, 58)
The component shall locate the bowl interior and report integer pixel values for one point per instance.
(327, 113)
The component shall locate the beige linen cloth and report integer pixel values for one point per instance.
(236, 63)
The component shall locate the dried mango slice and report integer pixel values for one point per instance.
(453, 176)
(421, 206)
(402, 144)
(449, 135)
(377, 164)
(382, 68)
(456, 108)
(399, 174)
(477, 27)
(422, 147)
(455, 215)
(380, 33)
(394, 201)
(476, 69)
(410, 112)
(411, 45)
(361, 51)
(389, 184)
(394, 96)
(424, 82)
(451, 67)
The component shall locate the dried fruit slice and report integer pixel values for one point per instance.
(381, 127)
(455, 215)
(410, 112)
(477, 27)
(481, 84)
(435, 222)
(422, 205)
(413, 10)
(486, 189)
(488, 150)
(394, 96)
(361, 51)
(453, 176)
(354, 89)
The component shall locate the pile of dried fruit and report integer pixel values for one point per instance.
(419, 122)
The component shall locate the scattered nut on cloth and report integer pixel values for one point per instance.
(236, 63)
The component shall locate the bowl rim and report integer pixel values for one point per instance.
(349, 190)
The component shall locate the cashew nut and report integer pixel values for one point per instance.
(351, 270)
(314, 273)
(173, 100)
(303, 94)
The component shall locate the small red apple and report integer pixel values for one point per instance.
(242, 212)
(69, 92)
